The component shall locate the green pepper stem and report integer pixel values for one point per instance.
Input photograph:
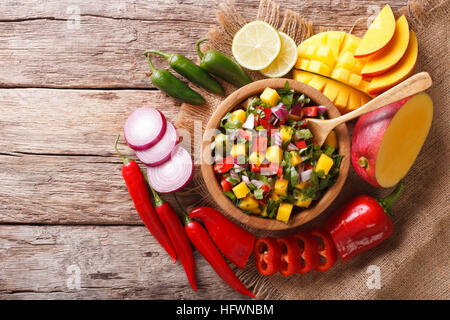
(197, 45)
(124, 159)
(185, 215)
(152, 67)
(158, 200)
(388, 201)
(159, 53)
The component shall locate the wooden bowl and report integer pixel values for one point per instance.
(297, 219)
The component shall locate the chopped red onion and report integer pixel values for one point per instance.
(276, 139)
(291, 147)
(322, 109)
(306, 175)
(245, 179)
(250, 122)
(257, 183)
(297, 110)
(280, 111)
(234, 175)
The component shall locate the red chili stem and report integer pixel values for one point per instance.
(137, 188)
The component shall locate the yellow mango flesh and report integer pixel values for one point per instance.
(330, 54)
(403, 140)
(284, 211)
(270, 96)
(386, 58)
(250, 204)
(400, 71)
(241, 190)
(379, 33)
(344, 97)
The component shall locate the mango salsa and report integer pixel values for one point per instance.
(270, 96)
(295, 158)
(284, 211)
(274, 154)
(303, 202)
(241, 190)
(238, 115)
(286, 133)
(281, 187)
(324, 163)
(237, 150)
(250, 204)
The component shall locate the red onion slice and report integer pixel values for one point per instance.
(174, 174)
(322, 109)
(162, 151)
(144, 128)
(306, 175)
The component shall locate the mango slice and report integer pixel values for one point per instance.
(386, 58)
(344, 97)
(331, 54)
(400, 71)
(378, 35)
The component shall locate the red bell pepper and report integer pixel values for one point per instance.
(325, 248)
(232, 240)
(267, 256)
(362, 223)
(290, 252)
(308, 257)
(301, 144)
(137, 188)
(226, 185)
(310, 111)
(267, 112)
(224, 167)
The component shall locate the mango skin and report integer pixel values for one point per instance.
(367, 137)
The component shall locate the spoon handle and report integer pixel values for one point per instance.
(409, 87)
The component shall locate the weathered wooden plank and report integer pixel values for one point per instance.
(44, 46)
(42, 262)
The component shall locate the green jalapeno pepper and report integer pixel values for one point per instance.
(219, 64)
(191, 71)
(173, 86)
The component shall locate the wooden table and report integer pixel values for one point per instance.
(70, 73)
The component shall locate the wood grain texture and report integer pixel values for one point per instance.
(41, 44)
(59, 171)
(40, 262)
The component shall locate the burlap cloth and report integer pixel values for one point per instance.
(414, 262)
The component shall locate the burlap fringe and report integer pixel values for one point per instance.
(420, 13)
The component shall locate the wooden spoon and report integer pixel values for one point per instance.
(415, 84)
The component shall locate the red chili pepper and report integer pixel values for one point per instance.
(301, 144)
(290, 252)
(310, 111)
(226, 185)
(137, 188)
(325, 248)
(177, 236)
(308, 257)
(362, 223)
(267, 256)
(202, 241)
(232, 240)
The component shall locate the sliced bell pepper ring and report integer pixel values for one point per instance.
(290, 251)
(267, 254)
(309, 258)
(325, 248)
(226, 185)
(310, 111)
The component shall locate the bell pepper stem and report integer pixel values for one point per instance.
(159, 53)
(388, 201)
(197, 45)
(186, 218)
(124, 159)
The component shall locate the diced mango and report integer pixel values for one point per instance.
(238, 150)
(325, 55)
(239, 115)
(275, 196)
(241, 190)
(284, 211)
(303, 202)
(295, 158)
(274, 154)
(264, 212)
(302, 185)
(331, 140)
(281, 187)
(270, 96)
(286, 133)
(344, 97)
(334, 41)
(319, 67)
(324, 163)
(250, 204)
(256, 158)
